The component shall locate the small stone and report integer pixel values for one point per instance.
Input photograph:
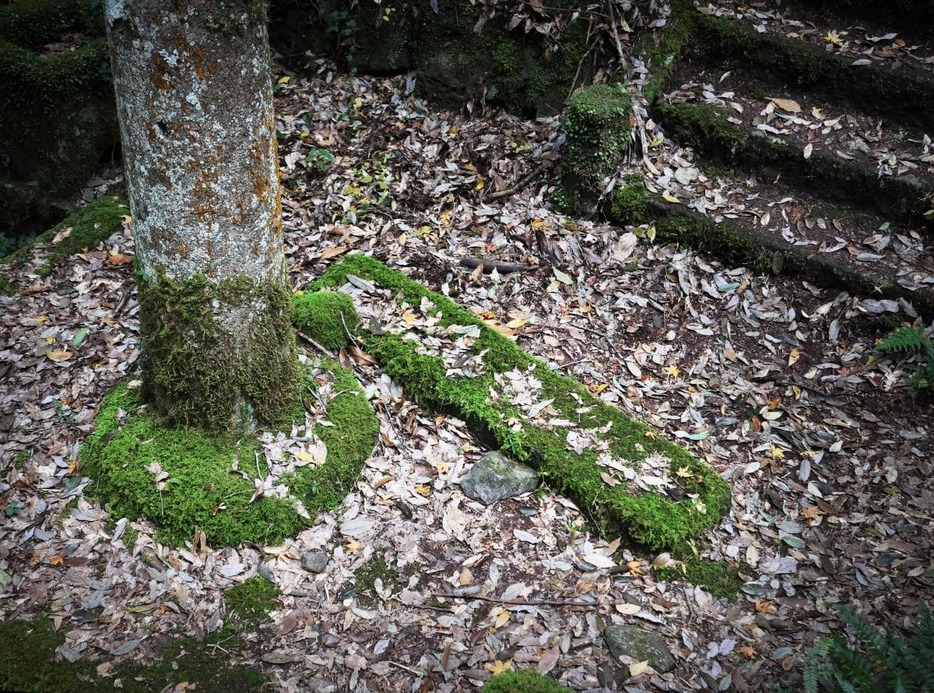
(315, 561)
(318, 685)
(641, 645)
(495, 477)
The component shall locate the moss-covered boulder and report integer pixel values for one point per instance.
(184, 480)
(522, 681)
(580, 445)
(56, 106)
(328, 317)
(458, 53)
(596, 124)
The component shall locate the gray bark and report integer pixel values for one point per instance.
(194, 101)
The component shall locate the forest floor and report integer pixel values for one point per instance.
(770, 379)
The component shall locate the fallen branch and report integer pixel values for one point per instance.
(522, 182)
(501, 267)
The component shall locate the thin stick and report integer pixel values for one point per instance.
(305, 338)
(522, 182)
(518, 602)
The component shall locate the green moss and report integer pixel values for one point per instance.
(194, 372)
(200, 489)
(650, 519)
(37, 22)
(628, 205)
(28, 661)
(522, 681)
(7, 288)
(596, 123)
(349, 442)
(718, 577)
(363, 586)
(328, 317)
(129, 451)
(90, 226)
(661, 49)
(252, 599)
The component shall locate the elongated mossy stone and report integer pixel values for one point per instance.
(694, 497)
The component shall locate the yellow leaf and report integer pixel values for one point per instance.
(516, 324)
(797, 390)
(284, 80)
(683, 472)
(502, 619)
(443, 467)
(671, 198)
(73, 466)
(793, 356)
(788, 105)
(834, 38)
(423, 490)
(764, 607)
(635, 567)
(480, 184)
(673, 371)
(357, 103)
(354, 546)
(599, 388)
(657, 141)
(498, 667)
(777, 453)
(127, 219)
(538, 223)
(638, 668)
(59, 355)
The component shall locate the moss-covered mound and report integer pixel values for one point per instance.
(522, 681)
(597, 127)
(622, 474)
(29, 664)
(328, 317)
(184, 480)
(56, 106)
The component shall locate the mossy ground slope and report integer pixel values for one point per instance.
(184, 480)
(626, 478)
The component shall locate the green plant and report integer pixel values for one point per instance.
(320, 160)
(522, 681)
(880, 662)
(913, 341)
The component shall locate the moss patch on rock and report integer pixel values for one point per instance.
(596, 124)
(183, 479)
(522, 681)
(252, 599)
(719, 578)
(619, 449)
(328, 317)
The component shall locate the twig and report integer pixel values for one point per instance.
(305, 338)
(522, 182)
(619, 45)
(518, 602)
(601, 334)
(501, 267)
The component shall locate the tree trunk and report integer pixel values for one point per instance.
(194, 99)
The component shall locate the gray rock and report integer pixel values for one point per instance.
(495, 477)
(314, 561)
(319, 685)
(641, 645)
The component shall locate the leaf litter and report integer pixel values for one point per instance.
(771, 380)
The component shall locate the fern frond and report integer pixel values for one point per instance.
(907, 340)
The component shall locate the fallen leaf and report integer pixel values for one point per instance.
(786, 104)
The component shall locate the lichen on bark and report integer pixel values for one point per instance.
(194, 100)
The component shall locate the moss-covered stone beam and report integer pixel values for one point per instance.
(758, 248)
(706, 128)
(604, 476)
(904, 96)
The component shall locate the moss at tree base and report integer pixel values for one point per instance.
(184, 480)
(218, 356)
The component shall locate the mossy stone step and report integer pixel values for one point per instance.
(705, 128)
(603, 475)
(765, 251)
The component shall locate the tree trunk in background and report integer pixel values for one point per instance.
(194, 100)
